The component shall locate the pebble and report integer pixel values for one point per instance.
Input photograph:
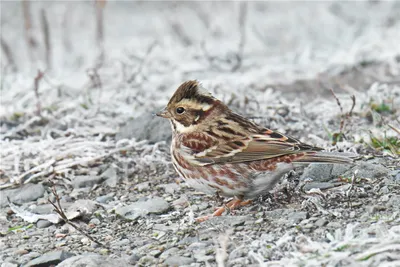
(91, 259)
(141, 208)
(43, 223)
(321, 222)
(50, 258)
(104, 199)
(86, 181)
(111, 177)
(335, 225)
(178, 261)
(23, 194)
(296, 217)
(317, 172)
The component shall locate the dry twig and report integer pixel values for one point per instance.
(36, 84)
(46, 36)
(58, 208)
(7, 52)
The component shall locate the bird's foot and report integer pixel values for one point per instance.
(231, 205)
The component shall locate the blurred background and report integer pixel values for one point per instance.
(158, 44)
(96, 60)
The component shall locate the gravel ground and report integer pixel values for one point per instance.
(83, 134)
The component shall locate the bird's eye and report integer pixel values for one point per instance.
(180, 110)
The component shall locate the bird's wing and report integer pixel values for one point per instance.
(265, 145)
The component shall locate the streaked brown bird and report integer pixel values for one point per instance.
(217, 151)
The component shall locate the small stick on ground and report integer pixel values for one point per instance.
(58, 208)
(36, 84)
(343, 117)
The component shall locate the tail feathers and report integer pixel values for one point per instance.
(327, 157)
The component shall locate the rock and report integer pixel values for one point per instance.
(43, 224)
(394, 202)
(368, 170)
(86, 181)
(141, 208)
(50, 258)
(321, 222)
(26, 193)
(48, 208)
(322, 186)
(296, 217)
(317, 172)
(147, 261)
(143, 186)
(92, 260)
(133, 259)
(169, 252)
(104, 199)
(170, 188)
(146, 127)
(111, 177)
(8, 264)
(178, 261)
(85, 207)
(229, 220)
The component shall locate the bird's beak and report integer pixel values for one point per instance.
(163, 113)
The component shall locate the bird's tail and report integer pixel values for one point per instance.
(327, 157)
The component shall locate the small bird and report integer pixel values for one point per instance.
(219, 152)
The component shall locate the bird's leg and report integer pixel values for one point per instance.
(231, 205)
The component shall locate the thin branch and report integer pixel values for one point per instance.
(7, 52)
(242, 42)
(58, 208)
(30, 41)
(36, 85)
(46, 36)
(100, 28)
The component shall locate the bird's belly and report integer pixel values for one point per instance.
(226, 180)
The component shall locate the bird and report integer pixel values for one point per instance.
(219, 152)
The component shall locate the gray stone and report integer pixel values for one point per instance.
(85, 207)
(317, 172)
(143, 186)
(146, 127)
(92, 260)
(141, 208)
(322, 186)
(178, 261)
(26, 193)
(169, 252)
(48, 208)
(394, 202)
(104, 199)
(368, 170)
(321, 222)
(111, 177)
(133, 259)
(50, 258)
(339, 169)
(9, 264)
(43, 224)
(170, 188)
(86, 181)
(229, 220)
(296, 217)
(147, 261)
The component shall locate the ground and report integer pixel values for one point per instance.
(77, 130)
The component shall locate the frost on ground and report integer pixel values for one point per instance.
(80, 80)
